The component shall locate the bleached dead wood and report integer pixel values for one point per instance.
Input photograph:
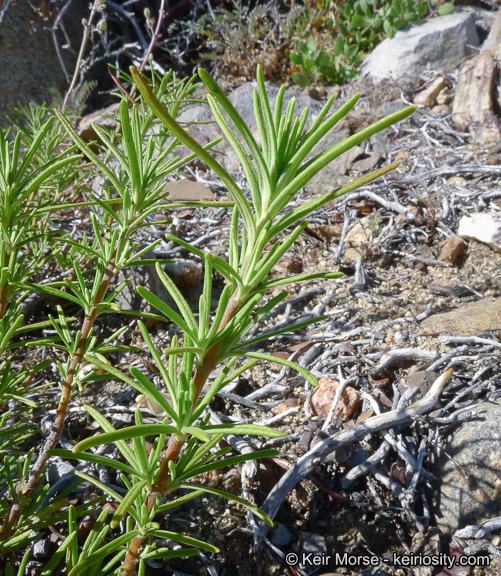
(400, 355)
(479, 530)
(307, 463)
(395, 206)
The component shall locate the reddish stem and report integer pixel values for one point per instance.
(3, 300)
(174, 447)
(155, 35)
(62, 409)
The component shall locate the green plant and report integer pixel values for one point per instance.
(375, 223)
(236, 39)
(134, 193)
(185, 445)
(275, 172)
(340, 33)
(33, 169)
(322, 66)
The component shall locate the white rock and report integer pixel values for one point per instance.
(440, 43)
(428, 96)
(484, 227)
(361, 234)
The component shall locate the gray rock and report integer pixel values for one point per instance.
(440, 43)
(281, 535)
(468, 320)
(314, 543)
(41, 549)
(469, 472)
(326, 181)
(186, 275)
(58, 470)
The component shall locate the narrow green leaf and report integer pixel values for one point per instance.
(108, 209)
(126, 452)
(250, 172)
(299, 278)
(94, 539)
(272, 333)
(219, 383)
(124, 434)
(219, 264)
(305, 373)
(45, 289)
(267, 116)
(221, 309)
(140, 447)
(44, 175)
(307, 144)
(202, 469)
(166, 310)
(181, 538)
(302, 211)
(163, 553)
(192, 144)
(87, 249)
(320, 161)
(179, 501)
(50, 567)
(103, 552)
(261, 313)
(103, 135)
(197, 432)
(95, 458)
(87, 149)
(255, 276)
(35, 145)
(235, 117)
(150, 390)
(99, 484)
(126, 503)
(248, 429)
(160, 365)
(129, 146)
(180, 301)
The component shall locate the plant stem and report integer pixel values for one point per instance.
(132, 556)
(87, 30)
(62, 409)
(174, 447)
(3, 300)
(154, 38)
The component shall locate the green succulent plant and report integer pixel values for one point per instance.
(341, 33)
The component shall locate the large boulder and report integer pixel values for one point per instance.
(440, 43)
(474, 102)
(30, 68)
